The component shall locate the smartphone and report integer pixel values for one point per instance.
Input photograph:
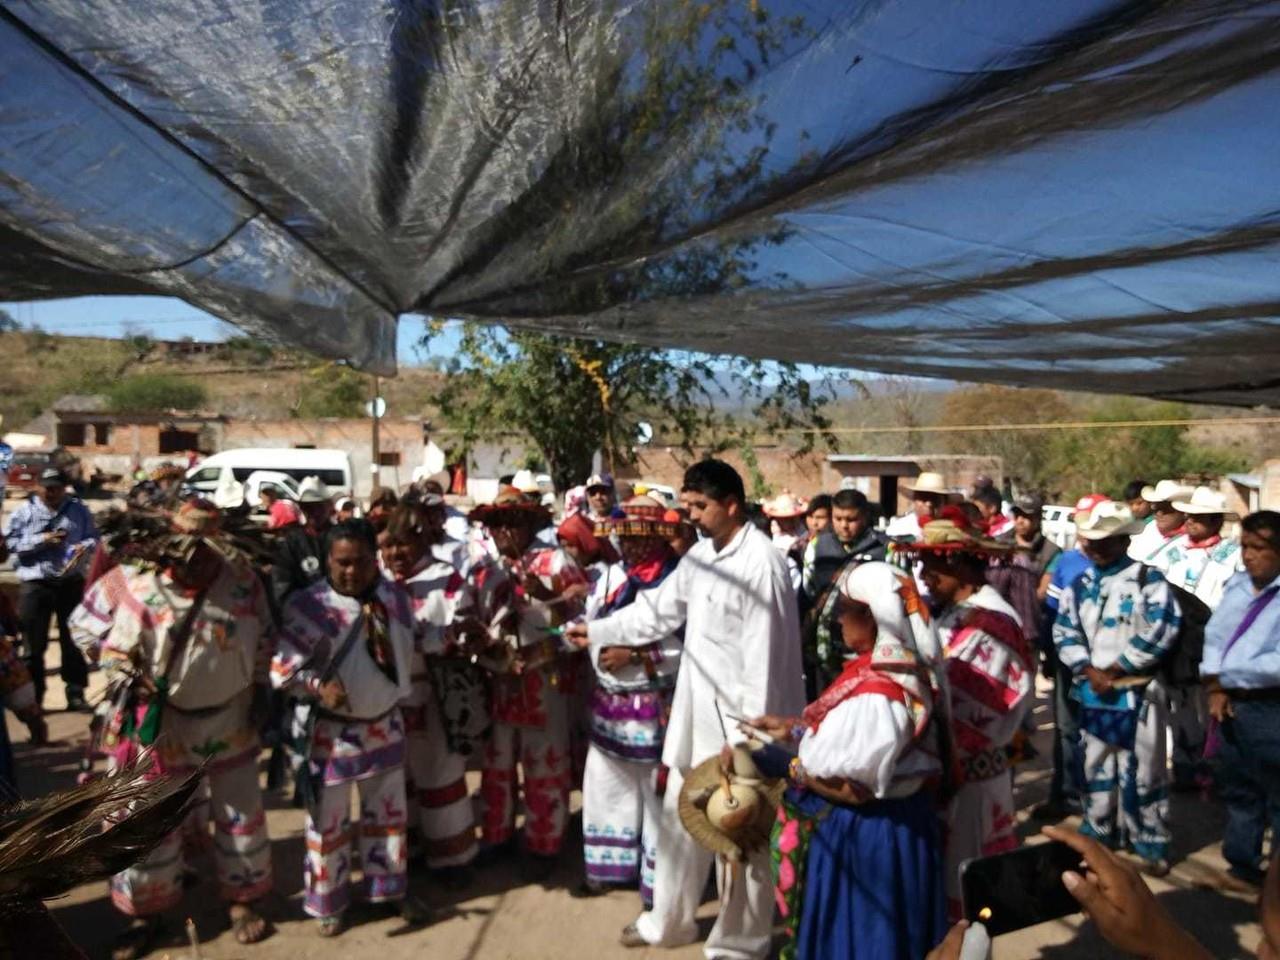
(1020, 888)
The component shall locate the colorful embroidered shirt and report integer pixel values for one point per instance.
(989, 669)
(316, 625)
(1201, 568)
(226, 650)
(1123, 615)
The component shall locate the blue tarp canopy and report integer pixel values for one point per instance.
(1077, 194)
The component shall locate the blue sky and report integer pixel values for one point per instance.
(164, 318)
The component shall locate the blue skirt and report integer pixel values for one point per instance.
(873, 880)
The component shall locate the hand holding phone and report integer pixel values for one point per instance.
(1117, 899)
(1021, 888)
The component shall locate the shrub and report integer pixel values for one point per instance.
(155, 393)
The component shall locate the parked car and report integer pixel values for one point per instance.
(333, 467)
(260, 480)
(1058, 525)
(27, 465)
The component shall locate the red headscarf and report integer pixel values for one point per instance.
(579, 531)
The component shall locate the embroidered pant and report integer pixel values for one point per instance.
(380, 834)
(437, 788)
(241, 850)
(1140, 780)
(543, 752)
(620, 821)
(980, 822)
(743, 930)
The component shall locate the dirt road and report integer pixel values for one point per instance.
(502, 915)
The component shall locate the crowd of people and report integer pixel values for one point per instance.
(384, 649)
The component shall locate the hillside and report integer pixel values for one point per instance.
(241, 378)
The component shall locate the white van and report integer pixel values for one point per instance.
(333, 467)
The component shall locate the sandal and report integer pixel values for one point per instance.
(136, 939)
(331, 926)
(248, 925)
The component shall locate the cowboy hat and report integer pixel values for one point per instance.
(952, 534)
(1204, 502)
(311, 490)
(1166, 491)
(929, 482)
(785, 506)
(525, 482)
(229, 494)
(1106, 520)
(510, 505)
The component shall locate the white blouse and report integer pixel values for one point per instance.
(866, 739)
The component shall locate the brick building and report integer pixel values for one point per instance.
(119, 442)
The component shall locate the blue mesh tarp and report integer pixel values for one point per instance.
(1078, 194)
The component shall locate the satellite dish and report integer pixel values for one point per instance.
(644, 433)
(377, 407)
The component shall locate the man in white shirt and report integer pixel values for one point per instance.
(732, 592)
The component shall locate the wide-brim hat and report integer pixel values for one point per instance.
(167, 471)
(511, 506)
(198, 518)
(929, 482)
(524, 481)
(698, 783)
(1204, 502)
(641, 516)
(311, 490)
(1166, 491)
(946, 536)
(1106, 520)
(785, 506)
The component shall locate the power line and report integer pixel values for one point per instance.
(1048, 425)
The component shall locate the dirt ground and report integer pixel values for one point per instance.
(500, 914)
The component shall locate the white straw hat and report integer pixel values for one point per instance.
(1166, 491)
(1106, 520)
(1203, 502)
(929, 482)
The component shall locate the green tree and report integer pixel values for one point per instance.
(332, 390)
(574, 397)
(1026, 454)
(155, 393)
(1104, 459)
(8, 322)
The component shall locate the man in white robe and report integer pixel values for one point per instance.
(732, 591)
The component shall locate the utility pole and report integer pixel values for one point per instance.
(374, 409)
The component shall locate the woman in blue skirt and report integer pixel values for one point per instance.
(857, 849)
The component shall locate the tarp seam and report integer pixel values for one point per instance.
(70, 63)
